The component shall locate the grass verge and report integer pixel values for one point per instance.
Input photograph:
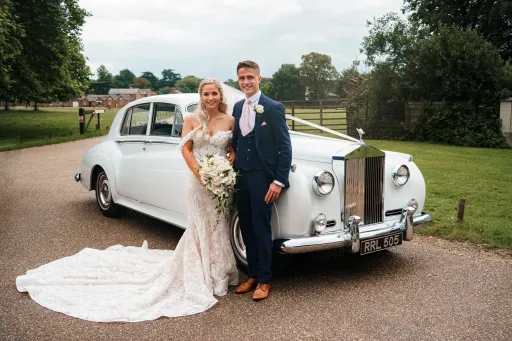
(20, 128)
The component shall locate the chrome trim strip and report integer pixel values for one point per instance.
(310, 244)
(130, 141)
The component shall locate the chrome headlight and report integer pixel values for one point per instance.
(400, 175)
(323, 183)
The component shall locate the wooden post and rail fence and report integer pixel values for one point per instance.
(331, 114)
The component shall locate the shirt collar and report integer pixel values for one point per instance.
(256, 97)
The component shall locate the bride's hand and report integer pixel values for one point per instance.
(232, 158)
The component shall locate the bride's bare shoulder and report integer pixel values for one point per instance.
(191, 121)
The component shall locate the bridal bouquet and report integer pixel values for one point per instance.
(219, 178)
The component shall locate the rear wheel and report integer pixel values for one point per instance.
(104, 197)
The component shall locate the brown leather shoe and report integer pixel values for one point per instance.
(262, 291)
(246, 286)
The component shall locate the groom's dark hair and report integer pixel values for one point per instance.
(248, 64)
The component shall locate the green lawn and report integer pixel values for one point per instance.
(20, 128)
(482, 176)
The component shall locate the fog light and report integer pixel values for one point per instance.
(320, 222)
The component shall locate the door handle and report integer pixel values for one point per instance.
(119, 141)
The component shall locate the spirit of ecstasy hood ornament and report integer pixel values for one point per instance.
(361, 133)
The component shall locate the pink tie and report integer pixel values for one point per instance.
(244, 124)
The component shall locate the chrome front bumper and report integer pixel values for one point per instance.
(351, 237)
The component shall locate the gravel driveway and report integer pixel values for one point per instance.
(427, 289)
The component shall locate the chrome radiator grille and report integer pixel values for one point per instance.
(364, 190)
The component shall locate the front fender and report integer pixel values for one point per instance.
(291, 214)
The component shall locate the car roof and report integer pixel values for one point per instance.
(180, 99)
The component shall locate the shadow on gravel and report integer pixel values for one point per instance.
(336, 265)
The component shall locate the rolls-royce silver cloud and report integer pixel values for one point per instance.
(343, 193)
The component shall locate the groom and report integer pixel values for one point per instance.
(263, 160)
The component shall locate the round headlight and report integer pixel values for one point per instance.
(320, 222)
(323, 183)
(400, 175)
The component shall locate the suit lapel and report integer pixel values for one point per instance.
(258, 121)
(238, 114)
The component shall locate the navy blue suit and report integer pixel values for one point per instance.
(262, 156)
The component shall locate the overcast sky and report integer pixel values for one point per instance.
(208, 37)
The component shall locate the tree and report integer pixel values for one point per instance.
(318, 74)
(233, 83)
(349, 82)
(124, 79)
(141, 83)
(491, 18)
(456, 67)
(287, 83)
(103, 74)
(267, 88)
(448, 65)
(51, 65)
(151, 78)
(103, 83)
(169, 78)
(188, 84)
(10, 48)
(392, 39)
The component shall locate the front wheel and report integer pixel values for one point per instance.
(279, 261)
(104, 199)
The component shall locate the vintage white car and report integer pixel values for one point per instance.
(343, 194)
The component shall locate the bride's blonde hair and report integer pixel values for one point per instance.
(201, 115)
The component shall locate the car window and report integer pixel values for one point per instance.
(192, 107)
(163, 122)
(125, 128)
(138, 119)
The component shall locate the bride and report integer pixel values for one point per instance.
(133, 284)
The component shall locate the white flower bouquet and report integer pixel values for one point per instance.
(219, 178)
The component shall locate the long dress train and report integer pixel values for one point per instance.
(133, 284)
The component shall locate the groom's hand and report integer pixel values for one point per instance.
(273, 193)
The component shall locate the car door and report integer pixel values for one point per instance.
(164, 170)
(131, 149)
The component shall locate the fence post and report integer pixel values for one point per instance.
(81, 120)
(321, 116)
(461, 205)
(293, 114)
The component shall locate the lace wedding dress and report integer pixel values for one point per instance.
(133, 284)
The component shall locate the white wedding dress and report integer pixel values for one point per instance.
(133, 284)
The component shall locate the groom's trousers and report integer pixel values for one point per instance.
(254, 215)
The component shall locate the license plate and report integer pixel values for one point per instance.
(381, 243)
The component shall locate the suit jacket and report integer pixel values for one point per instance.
(272, 138)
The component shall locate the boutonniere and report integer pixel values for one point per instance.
(259, 110)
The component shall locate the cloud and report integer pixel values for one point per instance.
(208, 38)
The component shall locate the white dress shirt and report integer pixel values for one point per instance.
(252, 114)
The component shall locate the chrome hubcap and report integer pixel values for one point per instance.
(238, 240)
(103, 192)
